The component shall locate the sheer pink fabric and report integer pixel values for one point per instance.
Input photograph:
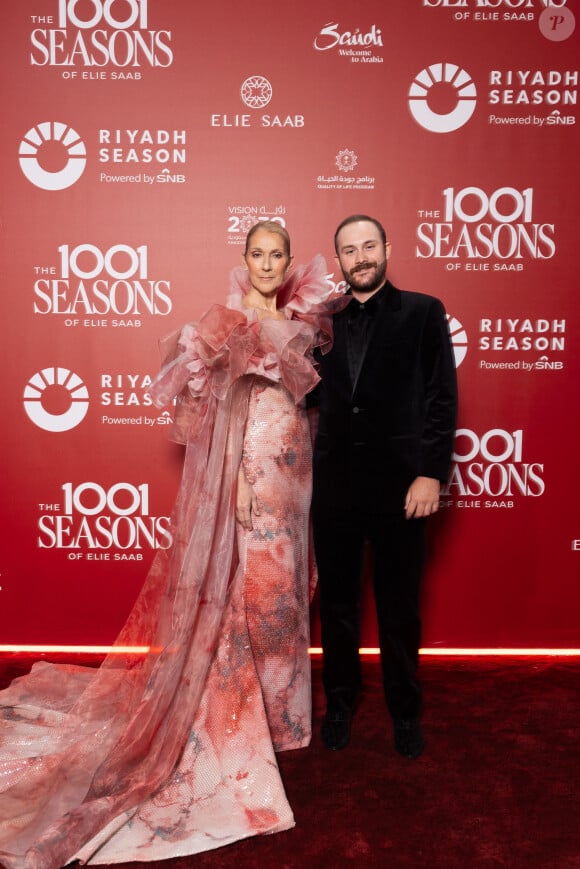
(172, 753)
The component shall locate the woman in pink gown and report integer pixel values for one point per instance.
(174, 753)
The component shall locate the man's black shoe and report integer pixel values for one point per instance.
(409, 740)
(335, 730)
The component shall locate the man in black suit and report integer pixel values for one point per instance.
(387, 403)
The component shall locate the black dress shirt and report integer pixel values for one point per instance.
(360, 322)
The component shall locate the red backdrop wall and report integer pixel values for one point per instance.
(142, 138)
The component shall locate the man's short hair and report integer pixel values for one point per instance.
(356, 218)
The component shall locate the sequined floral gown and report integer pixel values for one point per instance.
(175, 753)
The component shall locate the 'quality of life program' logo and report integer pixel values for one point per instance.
(52, 156)
(442, 98)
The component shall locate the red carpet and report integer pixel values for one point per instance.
(496, 787)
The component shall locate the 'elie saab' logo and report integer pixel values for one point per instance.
(256, 92)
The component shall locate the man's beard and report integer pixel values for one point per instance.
(368, 284)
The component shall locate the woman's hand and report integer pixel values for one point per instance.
(246, 501)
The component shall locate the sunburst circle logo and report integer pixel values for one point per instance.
(56, 399)
(43, 138)
(460, 89)
(346, 160)
(458, 339)
(256, 92)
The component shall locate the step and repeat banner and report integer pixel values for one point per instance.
(142, 139)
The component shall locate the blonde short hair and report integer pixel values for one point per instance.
(269, 226)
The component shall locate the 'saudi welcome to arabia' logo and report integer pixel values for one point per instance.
(40, 141)
(256, 92)
(432, 83)
(56, 399)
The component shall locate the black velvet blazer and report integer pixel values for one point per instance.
(397, 421)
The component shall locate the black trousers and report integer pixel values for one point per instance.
(397, 548)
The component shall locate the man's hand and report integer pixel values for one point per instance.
(246, 501)
(422, 498)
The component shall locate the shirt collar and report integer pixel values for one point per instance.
(372, 305)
